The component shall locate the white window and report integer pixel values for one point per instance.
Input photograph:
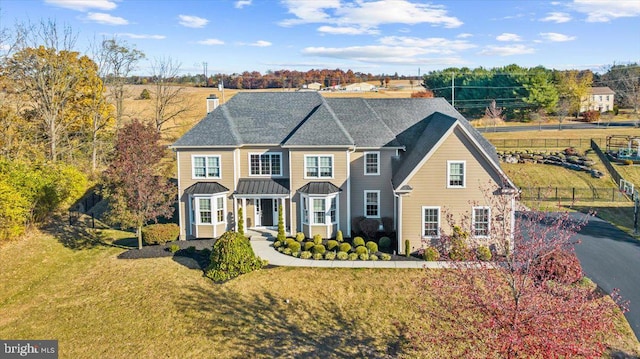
(265, 164)
(481, 220)
(456, 174)
(372, 163)
(206, 167)
(318, 166)
(209, 210)
(322, 210)
(372, 204)
(430, 221)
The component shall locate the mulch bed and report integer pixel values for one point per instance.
(161, 250)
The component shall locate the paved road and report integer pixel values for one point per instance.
(566, 126)
(611, 258)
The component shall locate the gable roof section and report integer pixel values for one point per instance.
(320, 128)
(363, 124)
(604, 90)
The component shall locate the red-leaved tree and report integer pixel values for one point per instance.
(526, 303)
(136, 191)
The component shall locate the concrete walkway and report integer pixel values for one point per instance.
(263, 249)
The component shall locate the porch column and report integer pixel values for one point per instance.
(244, 212)
(235, 214)
(284, 212)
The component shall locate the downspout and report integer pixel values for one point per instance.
(399, 222)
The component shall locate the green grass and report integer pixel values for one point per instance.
(97, 305)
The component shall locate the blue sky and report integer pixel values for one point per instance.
(370, 36)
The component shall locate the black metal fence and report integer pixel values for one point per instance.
(605, 160)
(545, 142)
(572, 194)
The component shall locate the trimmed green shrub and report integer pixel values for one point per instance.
(373, 257)
(363, 256)
(459, 250)
(305, 254)
(174, 248)
(483, 253)
(300, 237)
(358, 241)
(342, 256)
(281, 249)
(231, 256)
(317, 239)
(296, 254)
(385, 242)
(240, 222)
(330, 256)
(344, 247)
(407, 248)
(160, 233)
(294, 246)
(287, 251)
(319, 248)
(281, 235)
(339, 237)
(318, 256)
(372, 246)
(331, 244)
(361, 249)
(385, 256)
(144, 95)
(353, 256)
(308, 246)
(431, 254)
(277, 244)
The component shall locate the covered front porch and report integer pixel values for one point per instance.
(261, 201)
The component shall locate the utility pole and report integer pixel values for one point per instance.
(453, 91)
(204, 67)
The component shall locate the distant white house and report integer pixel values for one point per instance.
(313, 86)
(599, 98)
(360, 86)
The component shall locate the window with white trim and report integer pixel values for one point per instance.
(332, 209)
(319, 215)
(318, 166)
(305, 210)
(265, 164)
(206, 167)
(372, 204)
(209, 210)
(481, 221)
(372, 163)
(319, 210)
(430, 221)
(455, 174)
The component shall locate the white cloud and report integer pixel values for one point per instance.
(192, 21)
(83, 5)
(210, 42)
(606, 10)
(506, 36)
(106, 19)
(4, 47)
(367, 15)
(380, 54)
(428, 45)
(509, 50)
(555, 37)
(242, 3)
(557, 17)
(464, 35)
(140, 36)
(261, 43)
(347, 30)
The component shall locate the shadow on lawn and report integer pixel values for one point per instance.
(267, 326)
(76, 236)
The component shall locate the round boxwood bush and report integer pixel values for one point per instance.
(431, 254)
(319, 248)
(330, 256)
(459, 250)
(174, 248)
(231, 256)
(317, 239)
(483, 253)
(363, 256)
(308, 246)
(296, 254)
(362, 250)
(373, 257)
(339, 237)
(280, 249)
(358, 241)
(342, 256)
(385, 256)
(385, 242)
(331, 244)
(344, 247)
(305, 254)
(353, 256)
(318, 256)
(300, 236)
(160, 233)
(287, 251)
(372, 246)
(294, 246)
(277, 244)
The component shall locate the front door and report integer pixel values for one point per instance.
(266, 214)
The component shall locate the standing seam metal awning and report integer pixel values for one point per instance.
(319, 188)
(206, 188)
(262, 187)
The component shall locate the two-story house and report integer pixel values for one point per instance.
(324, 162)
(599, 99)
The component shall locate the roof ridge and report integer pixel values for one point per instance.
(366, 102)
(337, 120)
(232, 126)
(299, 125)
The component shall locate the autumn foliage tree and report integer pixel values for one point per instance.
(525, 304)
(137, 193)
(422, 94)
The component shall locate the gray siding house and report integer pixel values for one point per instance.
(327, 162)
